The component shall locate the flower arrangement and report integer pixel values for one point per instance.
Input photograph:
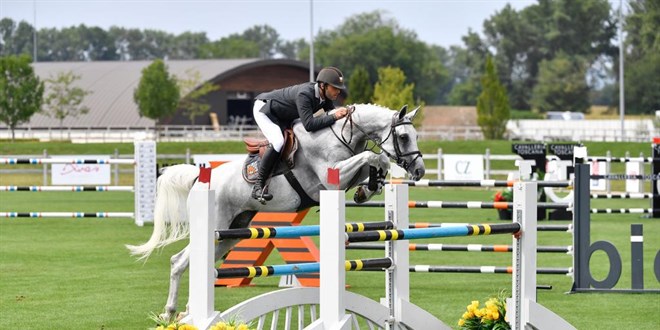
(233, 323)
(231, 326)
(503, 195)
(492, 316)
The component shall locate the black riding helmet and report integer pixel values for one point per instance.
(331, 76)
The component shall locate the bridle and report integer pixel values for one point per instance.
(398, 157)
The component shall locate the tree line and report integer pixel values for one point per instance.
(554, 55)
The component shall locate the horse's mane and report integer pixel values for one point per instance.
(371, 106)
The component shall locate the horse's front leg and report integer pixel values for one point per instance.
(178, 265)
(355, 166)
(221, 250)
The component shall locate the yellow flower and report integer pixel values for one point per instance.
(243, 327)
(187, 327)
(496, 315)
(461, 322)
(219, 326)
(473, 306)
(480, 312)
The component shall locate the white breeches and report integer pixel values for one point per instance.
(270, 130)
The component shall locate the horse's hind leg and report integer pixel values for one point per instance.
(178, 264)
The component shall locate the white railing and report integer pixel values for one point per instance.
(534, 130)
(166, 133)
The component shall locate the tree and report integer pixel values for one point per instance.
(360, 89)
(467, 65)
(373, 41)
(21, 91)
(233, 46)
(192, 93)
(157, 93)
(265, 37)
(520, 41)
(391, 91)
(64, 100)
(492, 104)
(642, 67)
(16, 39)
(562, 85)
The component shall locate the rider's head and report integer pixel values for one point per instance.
(331, 82)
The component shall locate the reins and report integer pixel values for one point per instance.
(398, 157)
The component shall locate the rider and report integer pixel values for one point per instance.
(275, 110)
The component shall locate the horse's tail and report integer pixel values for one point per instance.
(170, 211)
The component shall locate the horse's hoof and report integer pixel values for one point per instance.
(181, 315)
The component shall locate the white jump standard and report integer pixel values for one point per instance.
(396, 312)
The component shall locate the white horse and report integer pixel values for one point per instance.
(342, 146)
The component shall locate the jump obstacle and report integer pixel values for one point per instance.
(144, 186)
(581, 246)
(396, 312)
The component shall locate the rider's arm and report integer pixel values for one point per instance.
(306, 112)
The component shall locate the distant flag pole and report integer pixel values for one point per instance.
(333, 177)
(205, 175)
(311, 40)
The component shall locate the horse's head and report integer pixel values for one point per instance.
(401, 143)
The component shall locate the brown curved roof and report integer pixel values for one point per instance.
(112, 84)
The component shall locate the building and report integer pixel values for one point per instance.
(112, 85)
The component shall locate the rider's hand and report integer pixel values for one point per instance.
(341, 113)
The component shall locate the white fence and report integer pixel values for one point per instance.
(530, 130)
(166, 133)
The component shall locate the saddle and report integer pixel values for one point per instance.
(256, 149)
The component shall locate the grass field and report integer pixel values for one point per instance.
(76, 273)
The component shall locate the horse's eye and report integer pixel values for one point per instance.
(404, 138)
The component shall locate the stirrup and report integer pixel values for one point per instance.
(260, 195)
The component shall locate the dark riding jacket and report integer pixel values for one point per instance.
(285, 105)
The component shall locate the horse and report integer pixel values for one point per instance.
(342, 146)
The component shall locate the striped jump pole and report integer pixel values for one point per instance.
(461, 248)
(300, 268)
(485, 270)
(566, 228)
(623, 211)
(66, 214)
(452, 231)
(293, 231)
(66, 188)
(17, 161)
(144, 183)
(621, 195)
(621, 159)
(477, 183)
(459, 205)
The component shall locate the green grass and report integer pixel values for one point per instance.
(76, 273)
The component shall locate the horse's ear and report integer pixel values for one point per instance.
(402, 112)
(412, 114)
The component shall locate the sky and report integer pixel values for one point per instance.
(436, 22)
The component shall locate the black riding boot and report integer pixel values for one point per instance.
(267, 163)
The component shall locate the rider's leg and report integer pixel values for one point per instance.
(265, 168)
(274, 136)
